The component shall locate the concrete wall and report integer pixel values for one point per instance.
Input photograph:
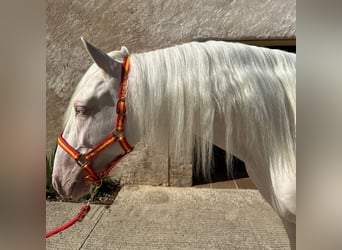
(142, 26)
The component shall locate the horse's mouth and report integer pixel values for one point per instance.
(70, 191)
(78, 190)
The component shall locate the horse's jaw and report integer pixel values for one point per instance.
(73, 191)
(69, 186)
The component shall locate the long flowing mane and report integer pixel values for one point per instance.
(176, 93)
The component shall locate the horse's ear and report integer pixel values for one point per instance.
(105, 62)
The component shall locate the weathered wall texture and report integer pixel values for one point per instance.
(142, 26)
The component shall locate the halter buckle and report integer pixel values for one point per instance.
(121, 107)
(81, 161)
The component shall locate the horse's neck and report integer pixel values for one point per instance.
(237, 147)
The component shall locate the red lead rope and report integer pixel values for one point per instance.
(78, 218)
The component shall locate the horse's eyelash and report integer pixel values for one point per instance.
(80, 109)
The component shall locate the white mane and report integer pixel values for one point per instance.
(175, 93)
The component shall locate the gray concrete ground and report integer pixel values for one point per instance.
(146, 217)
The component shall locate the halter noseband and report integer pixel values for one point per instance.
(83, 160)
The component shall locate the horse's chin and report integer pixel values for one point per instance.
(73, 191)
(78, 190)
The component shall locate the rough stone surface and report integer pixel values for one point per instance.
(142, 26)
(142, 166)
(58, 213)
(144, 217)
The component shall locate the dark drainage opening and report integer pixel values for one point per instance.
(219, 169)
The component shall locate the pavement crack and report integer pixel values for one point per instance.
(92, 229)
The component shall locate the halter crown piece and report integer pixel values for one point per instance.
(83, 160)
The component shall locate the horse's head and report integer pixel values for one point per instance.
(90, 117)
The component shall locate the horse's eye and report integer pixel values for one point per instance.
(80, 110)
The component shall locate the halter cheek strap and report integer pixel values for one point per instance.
(83, 160)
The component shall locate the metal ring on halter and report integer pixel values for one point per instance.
(93, 191)
(117, 134)
(81, 160)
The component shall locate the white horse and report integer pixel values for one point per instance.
(241, 98)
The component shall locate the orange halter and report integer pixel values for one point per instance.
(83, 160)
